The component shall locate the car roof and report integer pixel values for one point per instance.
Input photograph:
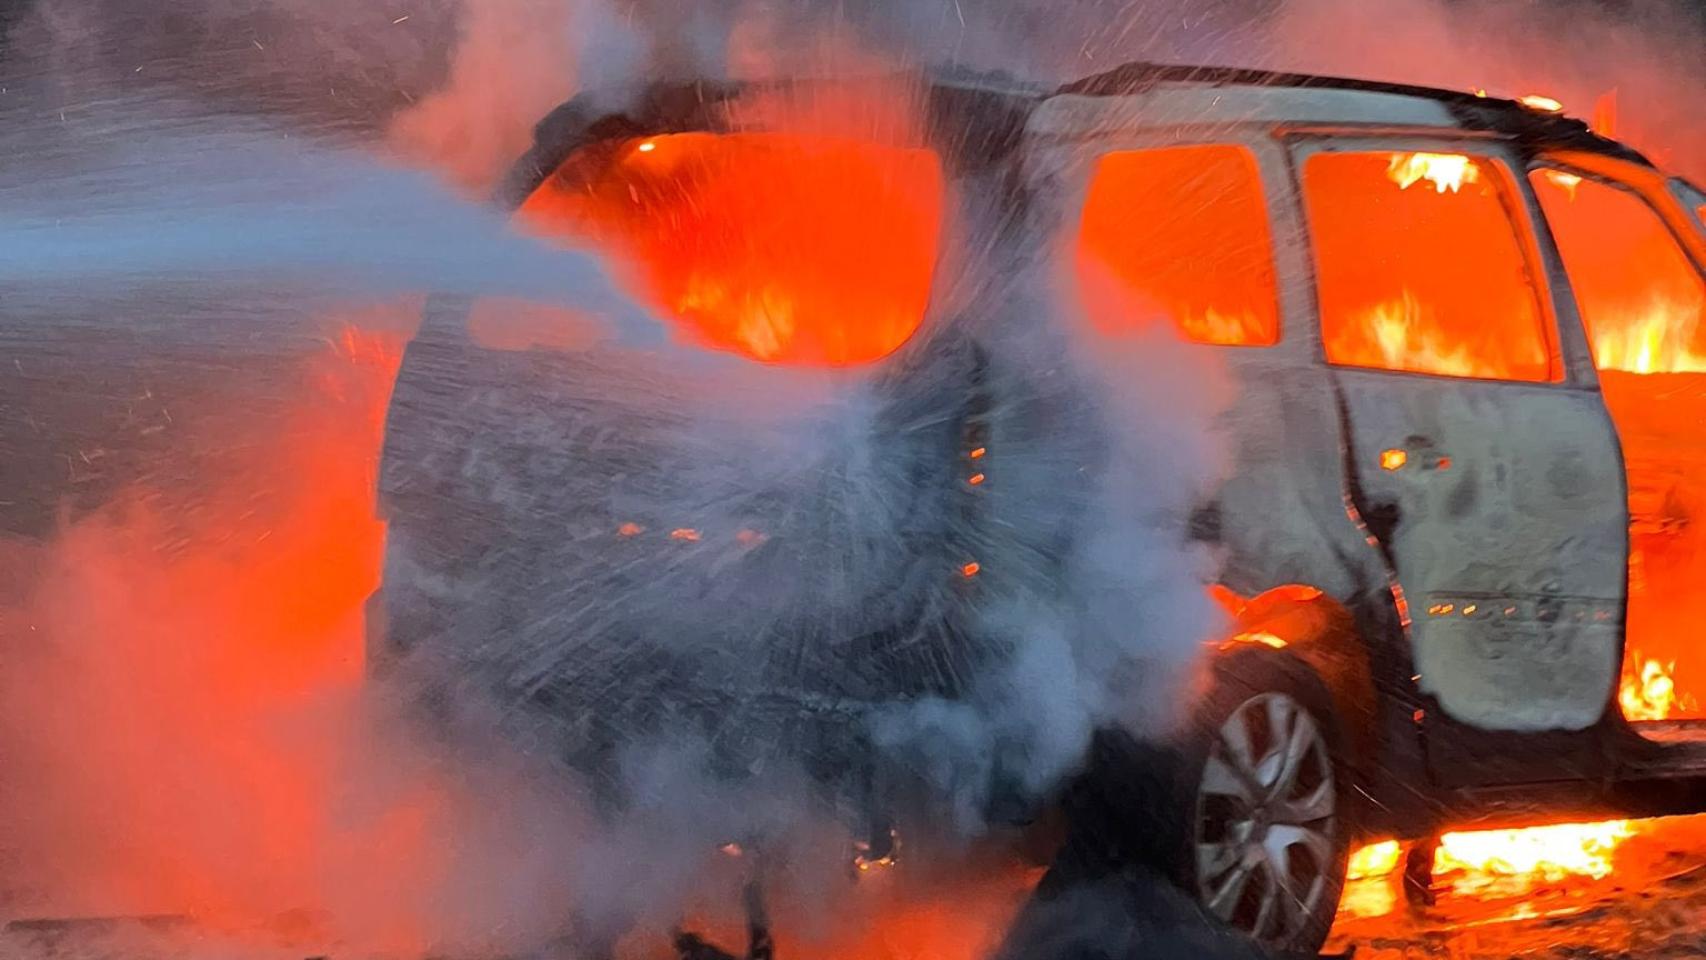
(986, 114)
(1207, 94)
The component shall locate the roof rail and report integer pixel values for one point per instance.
(1472, 110)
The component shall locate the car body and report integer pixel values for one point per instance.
(1424, 548)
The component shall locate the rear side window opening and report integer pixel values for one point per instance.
(1180, 234)
(795, 249)
(1419, 266)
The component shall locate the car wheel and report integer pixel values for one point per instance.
(1268, 834)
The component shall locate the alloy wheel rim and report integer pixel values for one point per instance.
(1265, 819)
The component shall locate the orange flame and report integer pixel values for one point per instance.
(1604, 120)
(1512, 860)
(1406, 336)
(1374, 860)
(1212, 326)
(1446, 171)
(1533, 855)
(1657, 340)
(1649, 692)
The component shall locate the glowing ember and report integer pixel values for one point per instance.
(1649, 692)
(1446, 171)
(1535, 101)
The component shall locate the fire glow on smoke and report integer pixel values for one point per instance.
(202, 666)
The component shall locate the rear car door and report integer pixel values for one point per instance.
(1479, 452)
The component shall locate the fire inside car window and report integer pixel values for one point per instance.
(1643, 301)
(1419, 268)
(786, 249)
(1180, 233)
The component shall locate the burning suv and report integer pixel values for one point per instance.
(1467, 344)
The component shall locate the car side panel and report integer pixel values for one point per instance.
(1283, 515)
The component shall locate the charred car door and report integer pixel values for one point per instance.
(1480, 454)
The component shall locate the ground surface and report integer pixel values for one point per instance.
(1652, 906)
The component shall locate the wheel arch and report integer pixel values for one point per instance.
(1302, 622)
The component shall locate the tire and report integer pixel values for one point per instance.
(1141, 808)
(1264, 785)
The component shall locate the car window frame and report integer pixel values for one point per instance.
(1693, 201)
(1569, 359)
